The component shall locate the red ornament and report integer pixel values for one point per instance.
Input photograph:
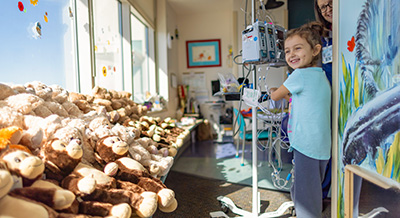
(351, 44)
(20, 6)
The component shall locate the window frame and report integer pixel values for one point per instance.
(151, 52)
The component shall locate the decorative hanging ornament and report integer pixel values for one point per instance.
(104, 71)
(34, 2)
(70, 12)
(37, 30)
(45, 17)
(20, 6)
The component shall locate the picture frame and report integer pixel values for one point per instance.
(203, 53)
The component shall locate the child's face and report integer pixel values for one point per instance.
(298, 52)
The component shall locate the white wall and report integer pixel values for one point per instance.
(224, 25)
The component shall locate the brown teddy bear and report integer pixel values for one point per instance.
(91, 185)
(69, 133)
(13, 204)
(127, 169)
(61, 159)
(113, 151)
(16, 206)
(28, 170)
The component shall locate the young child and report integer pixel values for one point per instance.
(309, 126)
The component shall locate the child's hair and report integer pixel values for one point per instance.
(311, 32)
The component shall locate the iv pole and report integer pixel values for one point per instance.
(255, 201)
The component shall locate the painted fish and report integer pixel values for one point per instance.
(371, 125)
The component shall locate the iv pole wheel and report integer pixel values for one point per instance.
(224, 207)
(292, 211)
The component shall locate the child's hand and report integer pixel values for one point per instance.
(273, 89)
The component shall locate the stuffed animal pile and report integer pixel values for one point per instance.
(66, 154)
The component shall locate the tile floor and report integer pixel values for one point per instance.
(207, 152)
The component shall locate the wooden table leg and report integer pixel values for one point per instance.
(348, 193)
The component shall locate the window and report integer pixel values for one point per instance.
(37, 43)
(108, 44)
(143, 64)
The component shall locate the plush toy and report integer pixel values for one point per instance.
(100, 93)
(15, 206)
(29, 169)
(72, 109)
(10, 137)
(6, 91)
(18, 88)
(39, 130)
(98, 127)
(127, 169)
(93, 185)
(31, 137)
(127, 134)
(56, 108)
(41, 89)
(68, 133)
(59, 94)
(61, 159)
(10, 117)
(110, 148)
(157, 164)
(25, 103)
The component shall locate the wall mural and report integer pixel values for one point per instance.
(369, 88)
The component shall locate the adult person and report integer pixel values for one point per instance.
(323, 10)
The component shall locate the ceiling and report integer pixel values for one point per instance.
(184, 7)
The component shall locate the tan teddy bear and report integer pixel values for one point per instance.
(47, 126)
(59, 94)
(101, 93)
(6, 91)
(81, 101)
(41, 90)
(24, 103)
(31, 136)
(98, 127)
(144, 151)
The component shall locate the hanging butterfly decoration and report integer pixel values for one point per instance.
(34, 2)
(45, 17)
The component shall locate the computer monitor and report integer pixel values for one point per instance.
(215, 86)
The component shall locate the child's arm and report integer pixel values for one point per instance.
(281, 92)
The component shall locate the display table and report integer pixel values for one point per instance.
(188, 140)
(191, 140)
(370, 176)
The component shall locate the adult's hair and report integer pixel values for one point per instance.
(318, 16)
(311, 32)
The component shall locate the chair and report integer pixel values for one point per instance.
(262, 134)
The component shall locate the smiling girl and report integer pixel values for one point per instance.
(309, 126)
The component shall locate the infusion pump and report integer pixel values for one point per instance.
(262, 43)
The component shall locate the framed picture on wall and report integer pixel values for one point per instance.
(203, 53)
